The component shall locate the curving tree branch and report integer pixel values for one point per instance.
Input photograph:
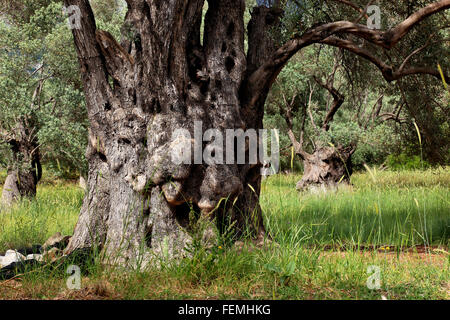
(262, 78)
(388, 72)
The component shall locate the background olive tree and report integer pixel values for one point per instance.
(378, 118)
(43, 118)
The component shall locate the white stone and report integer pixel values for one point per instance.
(37, 257)
(11, 256)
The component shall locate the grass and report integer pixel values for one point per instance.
(260, 274)
(55, 209)
(382, 208)
(385, 208)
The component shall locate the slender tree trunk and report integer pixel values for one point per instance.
(326, 168)
(160, 79)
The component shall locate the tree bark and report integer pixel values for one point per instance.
(161, 78)
(326, 168)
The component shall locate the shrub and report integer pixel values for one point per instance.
(406, 162)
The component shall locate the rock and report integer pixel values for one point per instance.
(57, 240)
(37, 257)
(16, 263)
(52, 240)
(10, 257)
(36, 248)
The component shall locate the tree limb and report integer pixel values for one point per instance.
(289, 118)
(387, 71)
(338, 100)
(262, 79)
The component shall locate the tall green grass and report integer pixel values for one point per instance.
(55, 209)
(395, 208)
(381, 208)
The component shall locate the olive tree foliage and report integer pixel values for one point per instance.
(427, 107)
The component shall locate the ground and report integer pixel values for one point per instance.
(324, 245)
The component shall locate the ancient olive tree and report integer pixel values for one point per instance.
(162, 76)
(325, 153)
(43, 120)
(327, 164)
(327, 160)
(18, 120)
(328, 116)
(42, 114)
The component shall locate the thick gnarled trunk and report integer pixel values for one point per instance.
(326, 168)
(159, 79)
(24, 170)
(19, 183)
